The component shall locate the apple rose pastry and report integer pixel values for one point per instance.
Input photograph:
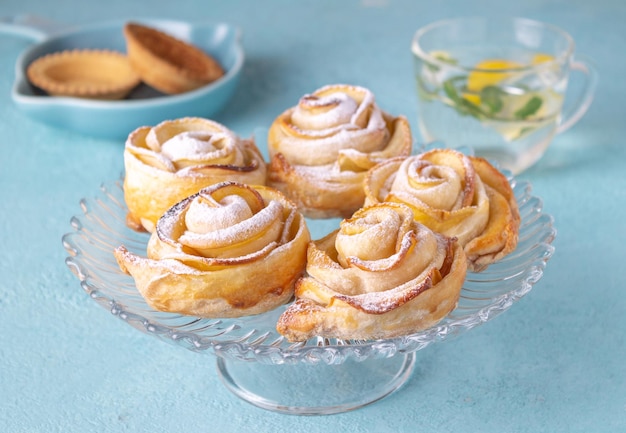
(321, 149)
(380, 275)
(177, 158)
(454, 194)
(229, 250)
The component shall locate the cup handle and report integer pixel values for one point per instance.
(578, 110)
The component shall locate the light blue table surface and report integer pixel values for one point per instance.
(555, 362)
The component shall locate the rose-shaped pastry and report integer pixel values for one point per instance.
(454, 194)
(381, 275)
(229, 250)
(321, 149)
(177, 158)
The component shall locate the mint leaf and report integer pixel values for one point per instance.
(491, 96)
(462, 105)
(450, 90)
(530, 108)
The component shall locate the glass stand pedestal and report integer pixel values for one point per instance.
(316, 389)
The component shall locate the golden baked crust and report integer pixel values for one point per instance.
(167, 63)
(177, 158)
(454, 194)
(92, 74)
(381, 275)
(321, 149)
(230, 250)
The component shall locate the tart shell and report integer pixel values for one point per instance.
(166, 63)
(84, 73)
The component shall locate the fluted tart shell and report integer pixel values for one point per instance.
(84, 73)
(166, 63)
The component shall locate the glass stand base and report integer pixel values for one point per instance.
(315, 389)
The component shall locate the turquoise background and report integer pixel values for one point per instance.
(555, 362)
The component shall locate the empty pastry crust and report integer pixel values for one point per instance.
(93, 74)
(461, 196)
(321, 149)
(381, 275)
(166, 63)
(230, 250)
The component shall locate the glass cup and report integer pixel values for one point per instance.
(497, 86)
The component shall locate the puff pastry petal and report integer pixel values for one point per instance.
(177, 158)
(380, 275)
(229, 250)
(321, 149)
(461, 196)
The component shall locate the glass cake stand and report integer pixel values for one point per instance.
(319, 376)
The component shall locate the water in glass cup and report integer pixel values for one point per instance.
(495, 86)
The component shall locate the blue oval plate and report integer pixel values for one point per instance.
(144, 106)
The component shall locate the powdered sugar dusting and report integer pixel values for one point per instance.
(341, 108)
(437, 186)
(373, 236)
(191, 145)
(204, 216)
(188, 142)
(344, 113)
(242, 230)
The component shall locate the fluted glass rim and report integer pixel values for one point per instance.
(100, 227)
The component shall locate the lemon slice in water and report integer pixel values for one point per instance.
(490, 72)
(485, 74)
(493, 72)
